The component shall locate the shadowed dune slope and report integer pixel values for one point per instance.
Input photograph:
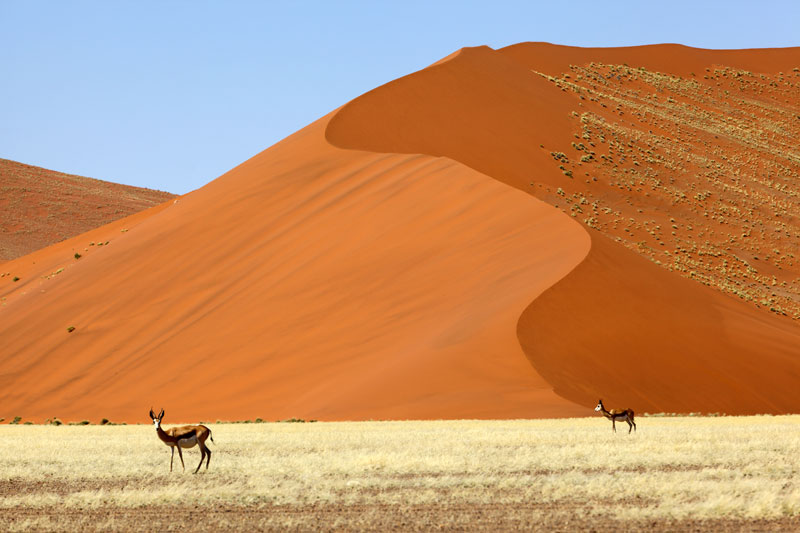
(308, 282)
(619, 326)
(478, 107)
(642, 336)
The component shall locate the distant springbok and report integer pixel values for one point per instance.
(617, 414)
(183, 437)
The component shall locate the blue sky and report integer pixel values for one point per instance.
(169, 95)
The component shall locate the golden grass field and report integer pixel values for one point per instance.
(674, 473)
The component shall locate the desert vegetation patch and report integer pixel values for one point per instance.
(697, 173)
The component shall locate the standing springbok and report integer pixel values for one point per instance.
(183, 437)
(617, 414)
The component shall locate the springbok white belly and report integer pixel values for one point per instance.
(188, 442)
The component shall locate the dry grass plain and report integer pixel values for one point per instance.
(675, 473)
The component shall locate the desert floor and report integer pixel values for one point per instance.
(673, 473)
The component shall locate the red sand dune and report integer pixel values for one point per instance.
(39, 207)
(311, 282)
(377, 264)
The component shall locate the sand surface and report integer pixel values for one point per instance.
(309, 282)
(391, 260)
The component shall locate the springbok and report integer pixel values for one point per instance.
(617, 414)
(183, 437)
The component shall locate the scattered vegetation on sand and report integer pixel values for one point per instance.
(511, 474)
(702, 176)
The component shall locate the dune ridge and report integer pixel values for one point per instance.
(675, 59)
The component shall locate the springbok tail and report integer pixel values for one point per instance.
(210, 436)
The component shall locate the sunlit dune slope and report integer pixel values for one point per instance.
(620, 326)
(309, 282)
(39, 207)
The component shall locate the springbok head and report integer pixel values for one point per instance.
(599, 405)
(156, 419)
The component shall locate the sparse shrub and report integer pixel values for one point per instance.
(70, 329)
(16, 420)
(77, 255)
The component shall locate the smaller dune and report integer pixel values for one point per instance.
(39, 207)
